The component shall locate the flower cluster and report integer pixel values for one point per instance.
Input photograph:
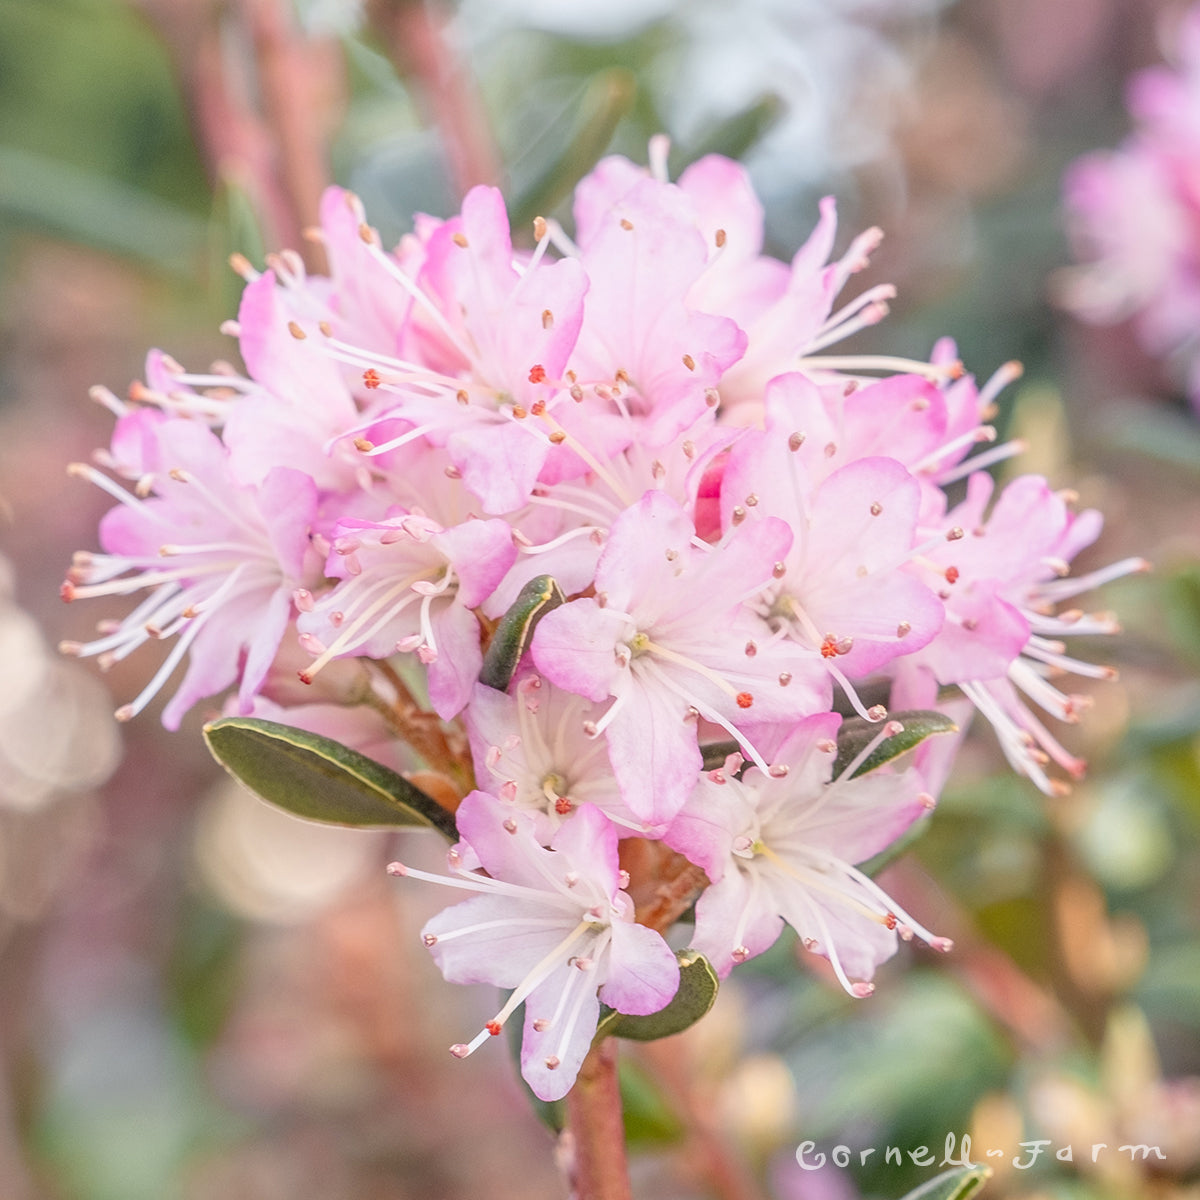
(747, 535)
(1134, 211)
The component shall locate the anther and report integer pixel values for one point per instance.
(460, 240)
(744, 699)
(951, 574)
(712, 397)
(876, 712)
(779, 570)
(429, 940)
(296, 331)
(371, 379)
(689, 450)
(751, 500)
(397, 869)
(954, 535)
(785, 677)
(459, 1050)
(519, 412)
(891, 920)
(576, 393)
(876, 508)
(462, 397)
(538, 407)
(510, 826)
(537, 373)
(720, 238)
(903, 629)
(626, 224)
(553, 1062)
(796, 441)
(738, 515)
(493, 1027)
(751, 648)
(689, 362)
(539, 228)
(778, 770)
(558, 437)
(739, 954)
(547, 319)
(830, 449)
(860, 991)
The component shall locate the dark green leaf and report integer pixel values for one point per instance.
(698, 984)
(516, 627)
(856, 734)
(318, 778)
(957, 1184)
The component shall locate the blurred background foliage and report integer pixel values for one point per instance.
(204, 998)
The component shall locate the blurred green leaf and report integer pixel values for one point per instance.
(320, 779)
(735, 136)
(856, 734)
(952, 1185)
(584, 135)
(98, 211)
(649, 1119)
(698, 984)
(533, 602)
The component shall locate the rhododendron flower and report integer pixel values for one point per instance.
(668, 634)
(1134, 212)
(555, 925)
(780, 846)
(220, 561)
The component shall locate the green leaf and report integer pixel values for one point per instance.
(738, 134)
(608, 96)
(698, 984)
(535, 600)
(957, 1184)
(88, 207)
(856, 734)
(320, 779)
(648, 1116)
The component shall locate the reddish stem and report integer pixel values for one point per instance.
(600, 1169)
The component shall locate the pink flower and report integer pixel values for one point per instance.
(779, 846)
(220, 560)
(552, 924)
(408, 584)
(669, 635)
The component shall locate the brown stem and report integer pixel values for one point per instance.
(599, 1170)
(417, 45)
(285, 81)
(446, 751)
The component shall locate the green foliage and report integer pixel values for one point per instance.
(698, 984)
(957, 1184)
(512, 634)
(320, 779)
(856, 734)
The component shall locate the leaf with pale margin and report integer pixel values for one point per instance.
(855, 734)
(952, 1185)
(698, 984)
(533, 602)
(320, 779)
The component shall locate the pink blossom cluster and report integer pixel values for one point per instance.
(748, 534)
(1134, 215)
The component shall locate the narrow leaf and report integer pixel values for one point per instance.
(856, 734)
(698, 984)
(952, 1185)
(516, 627)
(320, 779)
